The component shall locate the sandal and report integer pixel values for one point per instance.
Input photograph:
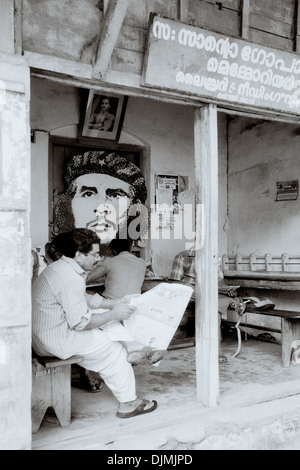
(222, 358)
(93, 387)
(90, 383)
(144, 356)
(141, 409)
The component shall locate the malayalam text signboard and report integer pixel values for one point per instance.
(198, 62)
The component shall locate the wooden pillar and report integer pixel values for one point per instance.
(18, 26)
(206, 288)
(245, 19)
(113, 19)
(183, 11)
(297, 27)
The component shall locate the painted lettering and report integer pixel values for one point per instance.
(161, 30)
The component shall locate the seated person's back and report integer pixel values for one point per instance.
(124, 272)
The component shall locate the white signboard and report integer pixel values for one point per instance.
(195, 61)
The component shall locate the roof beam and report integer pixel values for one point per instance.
(245, 19)
(112, 23)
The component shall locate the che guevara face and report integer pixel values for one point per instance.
(100, 203)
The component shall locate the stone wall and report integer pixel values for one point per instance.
(15, 255)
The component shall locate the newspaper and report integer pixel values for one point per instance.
(157, 316)
(159, 312)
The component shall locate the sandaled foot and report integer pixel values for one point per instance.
(90, 382)
(145, 356)
(146, 406)
(94, 387)
(222, 358)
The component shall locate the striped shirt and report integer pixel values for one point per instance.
(60, 310)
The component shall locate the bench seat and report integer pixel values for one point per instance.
(290, 329)
(51, 386)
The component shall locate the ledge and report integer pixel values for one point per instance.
(270, 275)
(264, 279)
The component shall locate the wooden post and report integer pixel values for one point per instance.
(18, 26)
(206, 262)
(183, 11)
(245, 19)
(113, 19)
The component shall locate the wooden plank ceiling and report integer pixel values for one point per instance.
(79, 31)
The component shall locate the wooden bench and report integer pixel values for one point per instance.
(51, 386)
(290, 329)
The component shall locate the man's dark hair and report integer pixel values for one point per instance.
(120, 244)
(68, 243)
(53, 248)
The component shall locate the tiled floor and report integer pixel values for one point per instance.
(253, 378)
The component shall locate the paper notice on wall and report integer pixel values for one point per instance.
(159, 312)
(164, 196)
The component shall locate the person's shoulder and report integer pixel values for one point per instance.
(139, 261)
(183, 254)
(59, 263)
(118, 258)
(51, 275)
(132, 256)
(114, 262)
(64, 265)
(126, 255)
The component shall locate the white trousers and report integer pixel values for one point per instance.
(109, 359)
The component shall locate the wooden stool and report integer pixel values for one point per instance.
(51, 386)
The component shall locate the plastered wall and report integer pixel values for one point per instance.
(260, 154)
(165, 129)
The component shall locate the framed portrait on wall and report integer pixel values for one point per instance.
(103, 116)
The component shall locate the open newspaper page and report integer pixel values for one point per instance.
(159, 312)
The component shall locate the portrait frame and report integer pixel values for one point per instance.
(95, 124)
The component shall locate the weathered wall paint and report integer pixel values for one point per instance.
(49, 27)
(166, 128)
(39, 216)
(169, 129)
(7, 27)
(54, 108)
(15, 255)
(15, 383)
(68, 29)
(260, 154)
